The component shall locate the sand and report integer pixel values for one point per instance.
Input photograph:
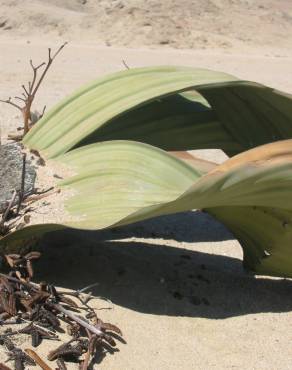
(180, 24)
(179, 292)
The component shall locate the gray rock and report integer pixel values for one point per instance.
(11, 171)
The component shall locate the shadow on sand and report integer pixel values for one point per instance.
(161, 279)
(188, 227)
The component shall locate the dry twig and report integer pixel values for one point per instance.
(29, 92)
(33, 355)
(125, 64)
(6, 213)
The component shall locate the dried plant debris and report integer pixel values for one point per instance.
(40, 311)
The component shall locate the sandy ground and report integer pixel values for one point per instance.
(177, 285)
(180, 24)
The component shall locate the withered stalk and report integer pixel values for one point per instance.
(77, 319)
(30, 91)
(88, 353)
(125, 64)
(33, 355)
(50, 332)
(6, 213)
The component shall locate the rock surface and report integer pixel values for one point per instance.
(11, 163)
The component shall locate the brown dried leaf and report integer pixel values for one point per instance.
(4, 367)
(68, 301)
(32, 255)
(29, 269)
(8, 303)
(59, 351)
(39, 297)
(6, 284)
(109, 339)
(104, 325)
(111, 327)
(12, 259)
(12, 305)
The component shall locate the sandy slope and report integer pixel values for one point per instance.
(179, 292)
(169, 23)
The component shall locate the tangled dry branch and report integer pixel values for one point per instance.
(43, 308)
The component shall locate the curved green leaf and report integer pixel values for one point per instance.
(122, 182)
(174, 108)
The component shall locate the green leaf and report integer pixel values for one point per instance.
(174, 108)
(121, 182)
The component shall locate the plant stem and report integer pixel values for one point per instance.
(76, 319)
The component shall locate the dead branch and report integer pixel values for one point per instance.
(43, 112)
(34, 356)
(30, 91)
(77, 319)
(125, 64)
(8, 101)
(88, 353)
